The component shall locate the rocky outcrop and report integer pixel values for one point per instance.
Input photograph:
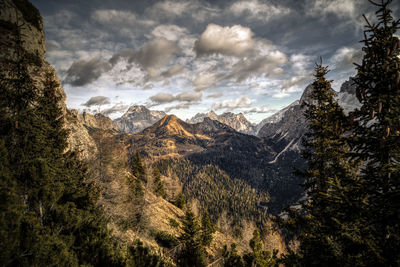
(21, 27)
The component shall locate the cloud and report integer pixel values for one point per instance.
(215, 95)
(268, 65)
(169, 32)
(97, 101)
(242, 102)
(52, 45)
(83, 72)
(300, 63)
(173, 9)
(153, 54)
(262, 109)
(189, 97)
(179, 106)
(257, 10)
(205, 80)
(115, 109)
(234, 41)
(281, 94)
(341, 8)
(295, 80)
(161, 98)
(345, 57)
(174, 70)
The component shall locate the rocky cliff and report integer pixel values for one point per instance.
(21, 26)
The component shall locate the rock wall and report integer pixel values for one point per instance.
(22, 19)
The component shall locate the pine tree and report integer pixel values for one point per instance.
(232, 257)
(207, 228)
(193, 253)
(180, 201)
(329, 222)
(138, 169)
(158, 184)
(377, 137)
(259, 257)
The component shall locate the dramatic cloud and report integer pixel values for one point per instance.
(189, 97)
(268, 65)
(118, 18)
(169, 32)
(295, 80)
(258, 10)
(115, 109)
(215, 95)
(83, 72)
(173, 9)
(174, 70)
(97, 101)
(262, 109)
(151, 55)
(341, 8)
(162, 98)
(205, 80)
(345, 57)
(243, 102)
(179, 106)
(234, 41)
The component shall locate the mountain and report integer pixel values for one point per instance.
(137, 118)
(236, 121)
(210, 142)
(284, 129)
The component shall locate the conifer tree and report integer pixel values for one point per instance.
(329, 222)
(158, 184)
(376, 139)
(207, 228)
(259, 257)
(232, 257)
(138, 169)
(193, 253)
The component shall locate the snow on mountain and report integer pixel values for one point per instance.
(138, 118)
(236, 121)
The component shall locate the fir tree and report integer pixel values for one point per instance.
(138, 169)
(259, 257)
(180, 201)
(193, 253)
(158, 184)
(329, 222)
(376, 139)
(207, 228)
(232, 257)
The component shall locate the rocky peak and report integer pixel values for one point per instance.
(348, 87)
(236, 121)
(137, 118)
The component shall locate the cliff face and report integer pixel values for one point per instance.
(21, 25)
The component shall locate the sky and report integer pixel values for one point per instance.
(185, 57)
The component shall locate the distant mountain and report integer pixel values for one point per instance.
(285, 129)
(137, 118)
(236, 121)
